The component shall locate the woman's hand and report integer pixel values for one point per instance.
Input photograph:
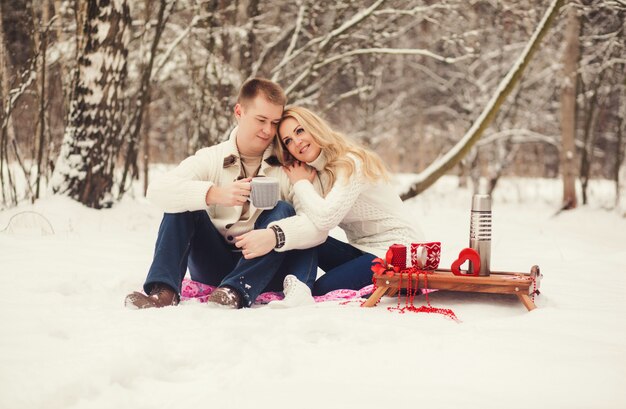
(256, 243)
(298, 171)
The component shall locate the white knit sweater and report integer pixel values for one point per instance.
(372, 215)
(185, 187)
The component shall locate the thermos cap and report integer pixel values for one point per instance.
(481, 203)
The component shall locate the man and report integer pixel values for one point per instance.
(208, 219)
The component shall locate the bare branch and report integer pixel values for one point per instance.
(347, 95)
(356, 19)
(416, 10)
(166, 55)
(325, 40)
(267, 49)
(16, 93)
(393, 51)
(519, 136)
(296, 32)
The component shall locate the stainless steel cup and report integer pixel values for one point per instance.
(480, 232)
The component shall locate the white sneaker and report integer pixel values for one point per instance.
(296, 292)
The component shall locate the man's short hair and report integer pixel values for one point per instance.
(255, 86)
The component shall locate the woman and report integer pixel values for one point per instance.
(356, 195)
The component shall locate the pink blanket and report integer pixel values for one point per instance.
(194, 290)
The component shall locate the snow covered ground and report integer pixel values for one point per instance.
(67, 342)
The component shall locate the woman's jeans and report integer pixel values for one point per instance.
(345, 267)
(190, 240)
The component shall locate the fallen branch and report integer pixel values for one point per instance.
(438, 168)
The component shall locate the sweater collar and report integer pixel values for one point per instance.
(319, 163)
(232, 156)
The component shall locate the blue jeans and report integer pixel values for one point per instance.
(190, 240)
(345, 267)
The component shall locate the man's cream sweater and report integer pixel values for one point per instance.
(184, 188)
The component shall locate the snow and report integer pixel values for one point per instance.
(102, 27)
(91, 74)
(67, 341)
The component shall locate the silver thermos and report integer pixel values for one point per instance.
(480, 232)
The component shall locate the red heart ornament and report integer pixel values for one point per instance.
(470, 255)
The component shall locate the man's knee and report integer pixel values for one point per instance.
(283, 206)
(281, 211)
(185, 220)
(188, 215)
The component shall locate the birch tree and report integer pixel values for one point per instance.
(84, 170)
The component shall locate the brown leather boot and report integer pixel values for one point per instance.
(161, 295)
(225, 297)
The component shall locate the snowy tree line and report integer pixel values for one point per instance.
(93, 91)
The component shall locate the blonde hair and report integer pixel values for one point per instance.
(335, 146)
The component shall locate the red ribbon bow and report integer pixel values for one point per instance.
(380, 266)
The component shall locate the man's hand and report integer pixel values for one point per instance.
(256, 243)
(235, 194)
(299, 171)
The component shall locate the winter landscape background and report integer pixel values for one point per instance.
(67, 341)
(96, 91)
(520, 98)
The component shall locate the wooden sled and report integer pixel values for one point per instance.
(523, 285)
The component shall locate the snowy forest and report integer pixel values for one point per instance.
(523, 99)
(96, 91)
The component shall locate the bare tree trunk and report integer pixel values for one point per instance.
(146, 127)
(505, 150)
(450, 159)
(463, 175)
(621, 151)
(568, 109)
(619, 160)
(61, 38)
(59, 83)
(589, 138)
(505, 160)
(5, 91)
(246, 12)
(146, 150)
(13, 96)
(143, 98)
(43, 27)
(7, 132)
(84, 170)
